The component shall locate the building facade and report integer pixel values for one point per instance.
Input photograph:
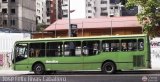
(98, 8)
(18, 14)
(40, 11)
(65, 8)
(52, 11)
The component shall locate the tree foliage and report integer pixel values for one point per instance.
(149, 15)
(41, 27)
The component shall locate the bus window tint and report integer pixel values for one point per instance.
(54, 49)
(132, 45)
(37, 49)
(140, 44)
(115, 46)
(110, 45)
(78, 48)
(72, 48)
(106, 46)
(90, 47)
(129, 45)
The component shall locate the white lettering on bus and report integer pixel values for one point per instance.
(53, 61)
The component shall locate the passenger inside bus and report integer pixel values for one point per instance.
(31, 52)
(34, 52)
(95, 48)
(90, 48)
(141, 45)
(105, 47)
(124, 47)
(85, 50)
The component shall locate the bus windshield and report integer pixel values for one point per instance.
(21, 52)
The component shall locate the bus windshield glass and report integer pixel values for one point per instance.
(21, 52)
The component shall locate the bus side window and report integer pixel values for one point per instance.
(37, 49)
(128, 45)
(90, 47)
(132, 45)
(140, 44)
(115, 46)
(54, 49)
(66, 49)
(124, 47)
(72, 48)
(110, 45)
(86, 48)
(105, 47)
(78, 49)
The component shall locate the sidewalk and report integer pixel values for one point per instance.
(12, 72)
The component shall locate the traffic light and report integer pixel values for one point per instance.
(73, 30)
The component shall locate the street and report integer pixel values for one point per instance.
(127, 76)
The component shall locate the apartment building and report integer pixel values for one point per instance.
(18, 14)
(95, 8)
(100, 8)
(40, 11)
(3, 12)
(52, 11)
(77, 9)
(106, 8)
(65, 8)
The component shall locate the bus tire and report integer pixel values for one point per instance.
(39, 69)
(109, 67)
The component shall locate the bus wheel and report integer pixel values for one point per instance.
(39, 69)
(109, 68)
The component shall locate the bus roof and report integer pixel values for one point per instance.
(86, 37)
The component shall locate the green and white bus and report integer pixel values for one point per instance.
(98, 53)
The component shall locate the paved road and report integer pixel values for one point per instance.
(136, 76)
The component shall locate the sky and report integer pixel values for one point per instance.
(79, 7)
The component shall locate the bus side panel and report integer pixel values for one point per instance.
(123, 60)
(48, 66)
(67, 67)
(22, 65)
(124, 66)
(33, 61)
(59, 63)
(95, 62)
(68, 63)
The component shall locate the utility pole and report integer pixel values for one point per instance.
(108, 7)
(69, 19)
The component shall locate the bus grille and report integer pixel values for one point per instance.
(138, 61)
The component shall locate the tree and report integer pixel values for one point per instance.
(149, 15)
(41, 27)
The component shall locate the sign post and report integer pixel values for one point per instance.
(73, 30)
